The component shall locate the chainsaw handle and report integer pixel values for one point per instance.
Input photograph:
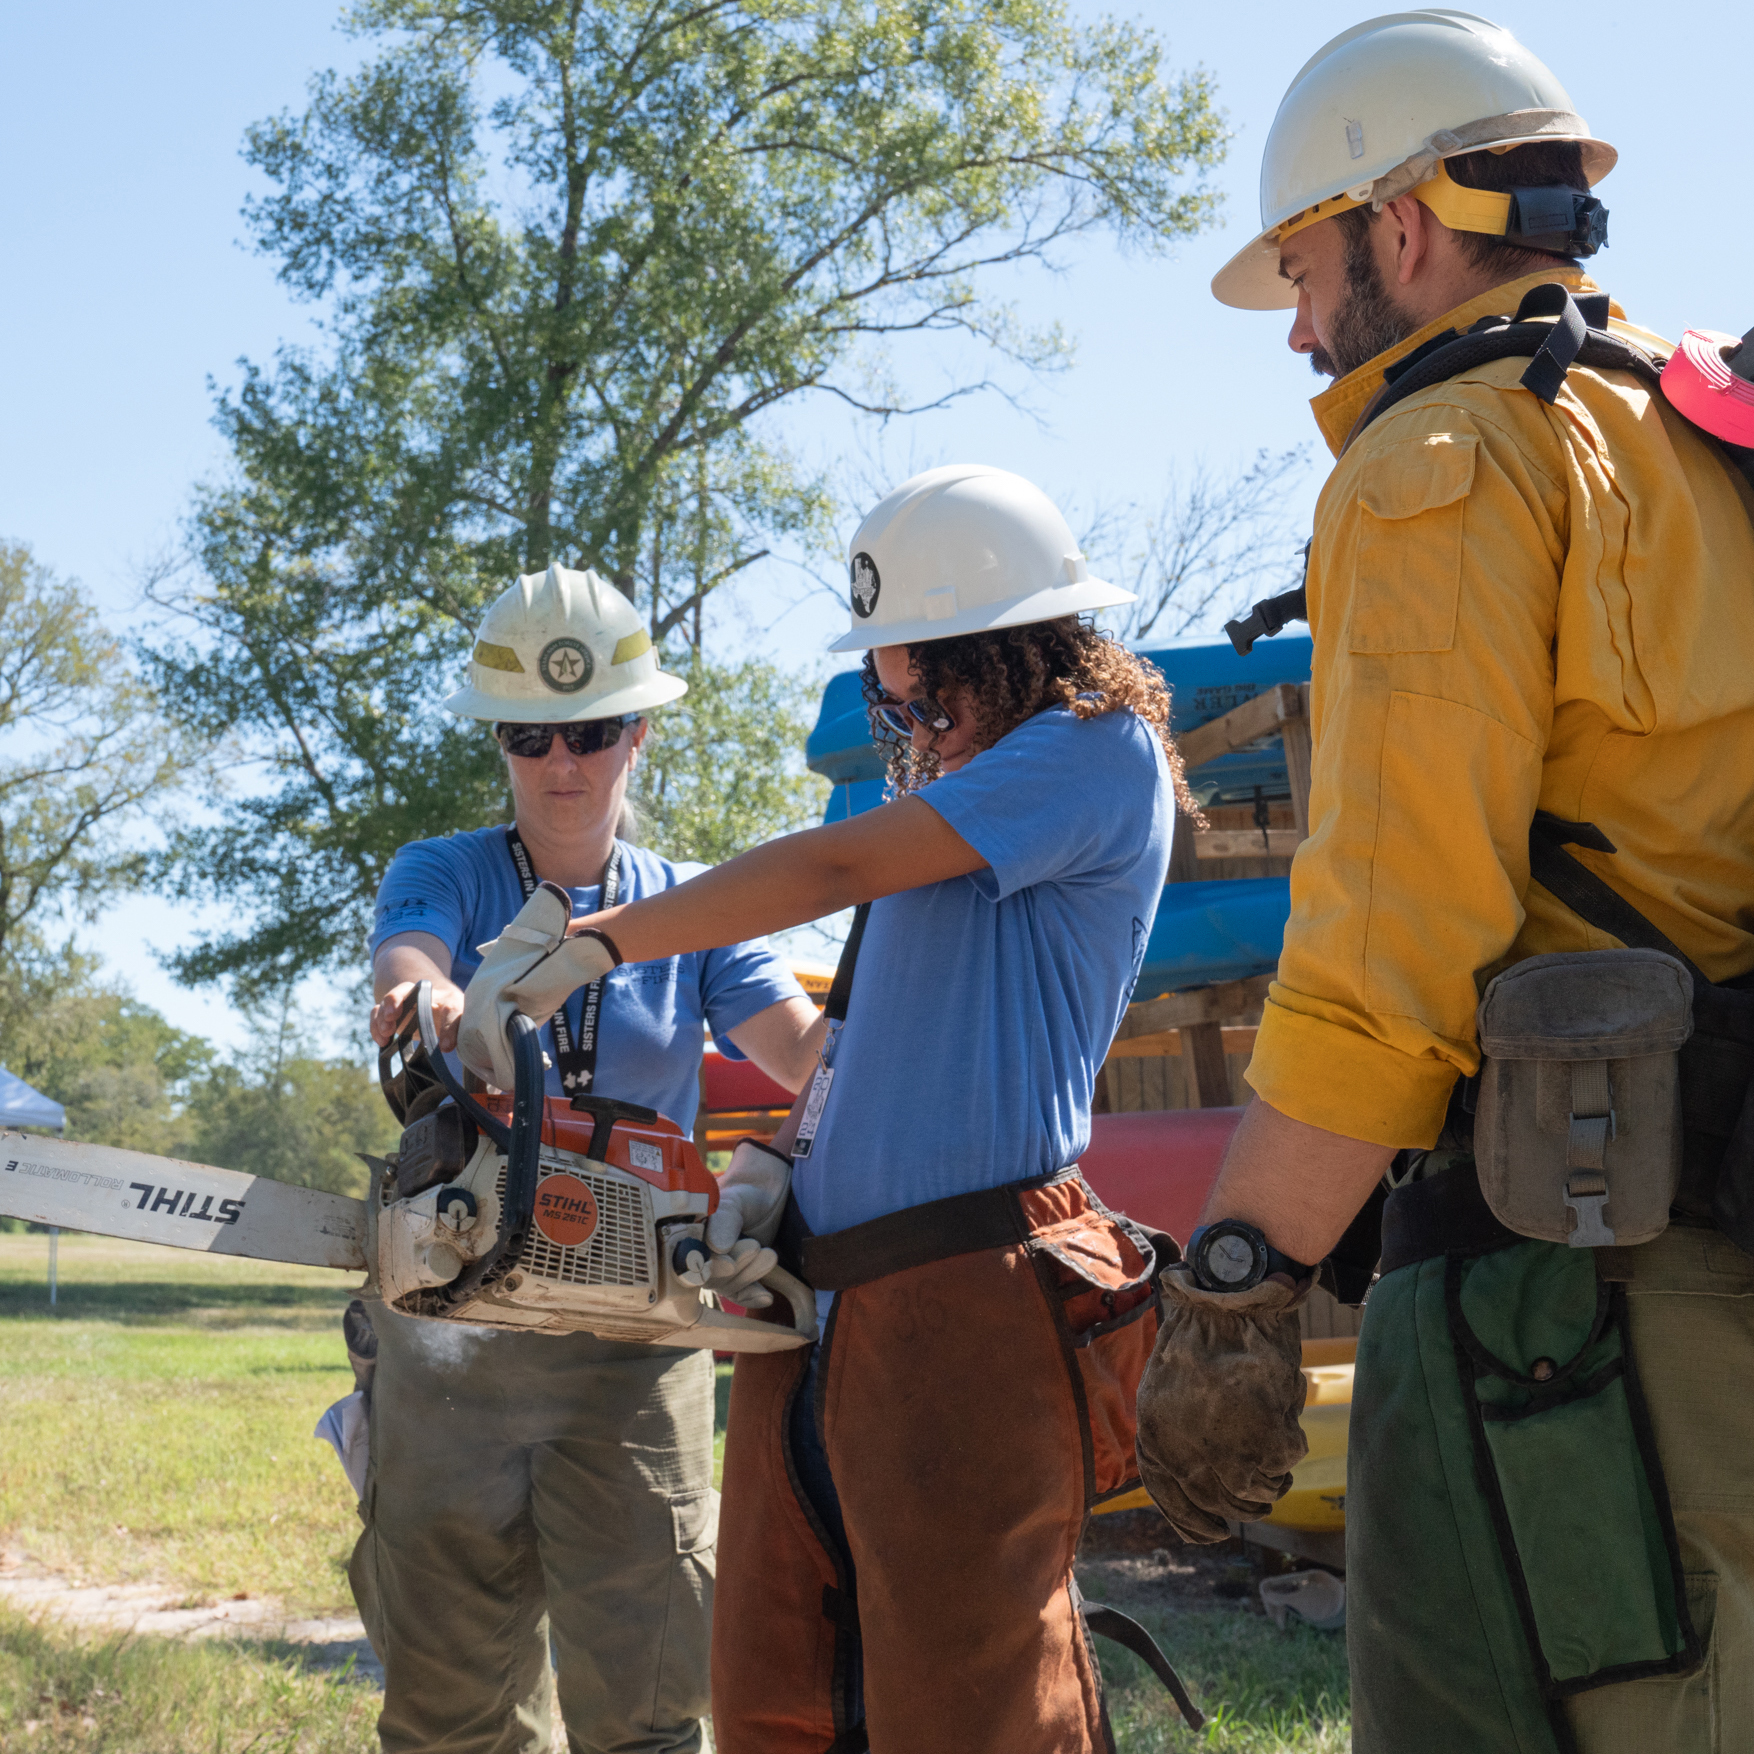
(799, 1296)
(491, 1125)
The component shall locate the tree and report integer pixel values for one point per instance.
(724, 766)
(121, 1071)
(84, 749)
(1213, 540)
(276, 1109)
(563, 320)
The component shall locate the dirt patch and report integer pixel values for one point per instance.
(162, 1611)
(1133, 1556)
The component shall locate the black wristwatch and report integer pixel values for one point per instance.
(1233, 1256)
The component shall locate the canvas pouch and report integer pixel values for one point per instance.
(1577, 1126)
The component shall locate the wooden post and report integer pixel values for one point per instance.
(1184, 867)
(1203, 1055)
(1297, 762)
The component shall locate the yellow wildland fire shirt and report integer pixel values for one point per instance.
(1514, 606)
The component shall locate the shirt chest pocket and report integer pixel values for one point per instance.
(1407, 574)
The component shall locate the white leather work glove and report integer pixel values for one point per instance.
(533, 967)
(752, 1199)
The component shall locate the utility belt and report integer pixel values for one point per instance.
(916, 1236)
(1615, 1086)
(1097, 1269)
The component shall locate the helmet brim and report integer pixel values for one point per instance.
(651, 691)
(1251, 281)
(1044, 605)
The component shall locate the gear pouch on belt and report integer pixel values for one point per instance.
(1099, 1271)
(1565, 1456)
(1577, 1133)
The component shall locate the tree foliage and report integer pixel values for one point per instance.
(575, 260)
(82, 748)
(724, 766)
(1215, 540)
(274, 1108)
(127, 1077)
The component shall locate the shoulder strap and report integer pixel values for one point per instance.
(1578, 335)
(841, 992)
(1592, 900)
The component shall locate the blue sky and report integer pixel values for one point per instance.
(126, 288)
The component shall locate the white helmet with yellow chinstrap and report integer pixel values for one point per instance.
(561, 646)
(1373, 114)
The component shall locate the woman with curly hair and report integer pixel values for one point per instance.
(903, 1498)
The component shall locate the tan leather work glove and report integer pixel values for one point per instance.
(533, 967)
(1218, 1404)
(740, 1233)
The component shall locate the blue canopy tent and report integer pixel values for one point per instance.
(20, 1106)
(1204, 932)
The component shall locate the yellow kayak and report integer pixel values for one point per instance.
(1317, 1499)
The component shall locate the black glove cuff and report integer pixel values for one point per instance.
(602, 938)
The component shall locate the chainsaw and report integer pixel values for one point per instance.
(525, 1212)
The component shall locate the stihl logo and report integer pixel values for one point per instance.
(566, 1210)
(180, 1203)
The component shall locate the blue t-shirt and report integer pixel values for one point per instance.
(464, 888)
(982, 1007)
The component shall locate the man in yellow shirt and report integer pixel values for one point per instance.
(1521, 602)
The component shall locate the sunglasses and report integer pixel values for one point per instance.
(582, 737)
(901, 716)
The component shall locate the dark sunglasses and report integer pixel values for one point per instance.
(582, 737)
(901, 716)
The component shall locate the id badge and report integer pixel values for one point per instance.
(812, 1116)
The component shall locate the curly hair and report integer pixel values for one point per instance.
(1013, 673)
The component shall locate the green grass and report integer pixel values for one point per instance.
(1263, 1691)
(158, 1427)
(157, 1696)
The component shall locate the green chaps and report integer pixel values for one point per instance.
(1521, 1425)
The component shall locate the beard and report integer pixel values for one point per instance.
(1367, 321)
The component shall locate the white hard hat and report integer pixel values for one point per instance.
(1374, 113)
(963, 549)
(560, 646)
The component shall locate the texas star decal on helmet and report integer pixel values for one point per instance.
(566, 665)
(866, 585)
(561, 646)
(963, 549)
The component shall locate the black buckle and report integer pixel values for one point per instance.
(1560, 221)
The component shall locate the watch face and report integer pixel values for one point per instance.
(1230, 1258)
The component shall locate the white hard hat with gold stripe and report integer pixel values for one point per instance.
(1373, 115)
(560, 646)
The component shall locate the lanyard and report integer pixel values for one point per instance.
(835, 1010)
(577, 1061)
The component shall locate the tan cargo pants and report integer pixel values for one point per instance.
(1691, 1302)
(527, 1489)
(1428, 1673)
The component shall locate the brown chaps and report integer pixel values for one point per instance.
(973, 1408)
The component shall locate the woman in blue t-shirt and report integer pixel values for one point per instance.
(531, 1492)
(902, 1502)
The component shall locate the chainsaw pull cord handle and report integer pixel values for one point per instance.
(491, 1125)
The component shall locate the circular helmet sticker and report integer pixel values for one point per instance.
(566, 1210)
(866, 585)
(565, 665)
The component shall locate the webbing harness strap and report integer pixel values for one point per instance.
(1588, 896)
(1578, 335)
(1122, 1629)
